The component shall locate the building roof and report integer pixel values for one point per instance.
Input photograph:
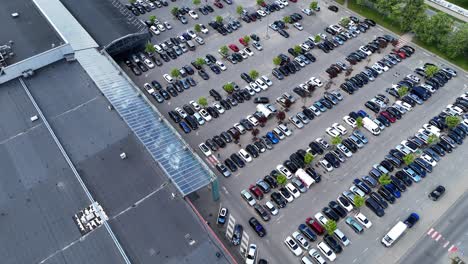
(30, 32)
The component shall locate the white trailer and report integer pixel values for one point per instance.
(305, 178)
(394, 234)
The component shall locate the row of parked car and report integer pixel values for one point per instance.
(263, 11)
(377, 201)
(141, 7)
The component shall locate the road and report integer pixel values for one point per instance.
(447, 238)
(448, 11)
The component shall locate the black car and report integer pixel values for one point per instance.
(257, 227)
(278, 199)
(437, 193)
(331, 214)
(316, 148)
(386, 195)
(379, 199)
(332, 243)
(291, 166)
(271, 181)
(238, 160)
(215, 95)
(332, 159)
(350, 145)
(372, 106)
(175, 116)
(261, 100)
(230, 164)
(211, 144)
(398, 183)
(402, 176)
(337, 208)
(316, 176)
(252, 150)
(203, 74)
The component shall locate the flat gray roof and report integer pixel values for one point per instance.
(30, 32)
(41, 185)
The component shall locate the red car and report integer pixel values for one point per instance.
(218, 4)
(234, 47)
(399, 54)
(256, 192)
(242, 41)
(312, 223)
(388, 116)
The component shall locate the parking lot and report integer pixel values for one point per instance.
(365, 248)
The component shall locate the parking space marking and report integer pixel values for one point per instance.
(434, 234)
(446, 244)
(365, 250)
(244, 243)
(452, 248)
(430, 231)
(230, 227)
(438, 237)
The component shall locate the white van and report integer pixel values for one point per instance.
(341, 237)
(371, 126)
(264, 110)
(305, 178)
(306, 260)
(394, 234)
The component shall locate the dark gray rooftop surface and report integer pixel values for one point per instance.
(101, 19)
(38, 192)
(93, 136)
(30, 32)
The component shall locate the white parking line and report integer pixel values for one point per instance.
(430, 231)
(446, 244)
(438, 237)
(365, 250)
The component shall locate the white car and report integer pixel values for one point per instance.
(357, 191)
(403, 149)
(204, 149)
(155, 30)
(248, 51)
(366, 51)
(252, 120)
(293, 190)
(300, 61)
(429, 159)
(313, 253)
(191, 33)
(221, 65)
(285, 130)
(243, 54)
(293, 246)
(295, 121)
(315, 110)
(433, 129)
(343, 149)
(377, 68)
(244, 155)
(199, 118)
(193, 14)
(413, 78)
(158, 48)
(298, 26)
(284, 2)
(284, 171)
(257, 45)
(348, 206)
(181, 112)
(199, 40)
(326, 165)
(405, 105)
(240, 128)
(301, 240)
(195, 105)
(161, 27)
(280, 4)
(407, 145)
(255, 87)
(271, 208)
(266, 80)
(307, 11)
(340, 128)
(203, 29)
(457, 110)
(168, 78)
(305, 47)
(363, 220)
(332, 132)
(321, 218)
(205, 115)
(323, 143)
(261, 13)
(250, 90)
(248, 197)
(219, 108)
(251, 257)
(167, 25)
(350, 121)
(326, 251)
(316, 81)
(261, 83)
(148, 88)
(149, 63)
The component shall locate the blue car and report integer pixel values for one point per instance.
(320, 106)
(185, 127)
(272, 138)
(338, 40)
(411, 220)
(362, 113)
(391, 188)
(307, 232)
(412, 174)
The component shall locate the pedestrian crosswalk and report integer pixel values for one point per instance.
(244, 243)
(230, 227)
(212, 160)
(437, 236)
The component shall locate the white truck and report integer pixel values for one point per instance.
(371, 126)
(264, 110)
(394, 234)
(305, 178)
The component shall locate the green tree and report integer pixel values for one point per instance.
(228, 87)
(330, 226)
(287, 19)
(434, 29)
(224, 50)
(384, 179)
(358, 202)
(239, 9)
(246, 39)
(411, 12)
(297, 49)
(408, 159)
(452, 121)
(403, 90)
(196, 2)
(345, 21)
(359, 122)
(197, 28)
(175, 11)
(308, 158)
(149, 48)
(336, 140)
(432, 139)
(152, 19)
(457, 44)
(276, 61)
(313, 5)
(260, 2)
(175, 73)
(281, 179)
(200, 62)
(431, 70)
(202, 101)
(317, 38)
(390, 8)
(131, 1)
(219, 19)
(254, 74)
